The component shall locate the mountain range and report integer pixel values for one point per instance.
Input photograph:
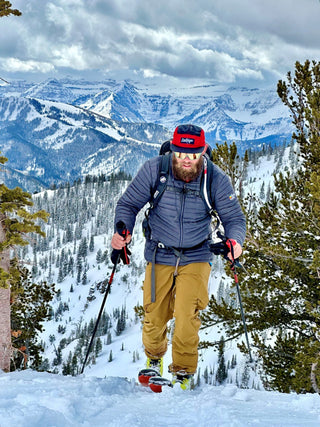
(60, 130)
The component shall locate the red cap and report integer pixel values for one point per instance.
(188, 139)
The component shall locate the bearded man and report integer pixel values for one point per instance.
(177, 247)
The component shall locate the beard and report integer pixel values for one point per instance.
(189, 174)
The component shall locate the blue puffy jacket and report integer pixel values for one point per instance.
(181, 220)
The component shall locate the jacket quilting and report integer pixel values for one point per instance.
(181, 219)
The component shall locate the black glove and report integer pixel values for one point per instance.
(219, 248)
(123, 253)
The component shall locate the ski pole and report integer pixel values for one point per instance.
(233, 264)
(121, 229)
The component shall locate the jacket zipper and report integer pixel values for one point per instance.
(184, 193)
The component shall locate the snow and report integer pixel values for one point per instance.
(107, 394)
(41, 399)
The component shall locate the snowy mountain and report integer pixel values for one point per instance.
(75, 255)
(72, 132)
(60, 130)
(246, 116)
(50, 90)
(107, 393)
(49, 142)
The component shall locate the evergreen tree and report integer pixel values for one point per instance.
(91, 244)
(221, 374)
(118, 328)
(74, 365)
(69, 234)
(58, 359)
(206, 375)
(245, 377)
(281, 294)
(227, 158)
(84, 278)
(109, 338)
(233, 361)
(30, 307)
(83, 248)
(60, 275)
(99, 256)
(98, 347)
(6, 9)
(16, 221)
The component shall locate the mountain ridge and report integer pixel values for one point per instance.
(60, 130)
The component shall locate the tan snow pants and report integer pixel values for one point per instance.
(181, 301)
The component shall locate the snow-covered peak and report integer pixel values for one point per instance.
(52, 90)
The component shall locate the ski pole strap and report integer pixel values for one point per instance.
(231, 243)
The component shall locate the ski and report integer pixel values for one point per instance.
(145, 375)
(156, 384)
(150, 378)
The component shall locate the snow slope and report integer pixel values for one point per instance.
(36, 399)
(103, 397)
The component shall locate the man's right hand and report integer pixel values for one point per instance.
(118, 242)
(120, 250)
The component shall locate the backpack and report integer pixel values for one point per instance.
(162, 179)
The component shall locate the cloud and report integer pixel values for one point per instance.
(14, 65)
(224, 40)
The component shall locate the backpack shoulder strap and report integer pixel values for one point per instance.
(206, 182)
(206, 189)
(162, 180)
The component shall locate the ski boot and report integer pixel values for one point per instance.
(185, 380)
(154, 369)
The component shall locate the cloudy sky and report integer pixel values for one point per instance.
(229, 41)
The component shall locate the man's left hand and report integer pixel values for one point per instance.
(237, 249)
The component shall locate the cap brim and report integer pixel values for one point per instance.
(179, 149)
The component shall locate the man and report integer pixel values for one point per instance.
(177, 247)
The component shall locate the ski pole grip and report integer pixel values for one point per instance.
(124, 252)
(231, 243)
(121, 229)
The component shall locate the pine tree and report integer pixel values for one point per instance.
(206, 375)
(281, 293)
(91, 244)
(60, 275)
(69, 234)
(99, 256)
(221, 374)
(227, 158)
(109, 338)
(234, 361)
(30, 306)
(16, 221)
(6, 10)
(84, 278)
(74, 365)
(245, 377)
(118, 327)
(98, 347)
